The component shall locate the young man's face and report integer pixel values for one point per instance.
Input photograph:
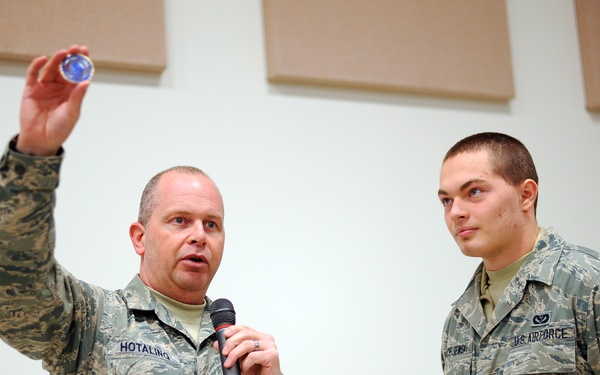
(483, 213)
(182, 244)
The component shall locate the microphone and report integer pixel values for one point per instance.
(222, 316)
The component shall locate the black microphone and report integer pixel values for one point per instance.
(222, 316)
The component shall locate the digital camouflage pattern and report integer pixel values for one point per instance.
(546, 322)
(72, 326)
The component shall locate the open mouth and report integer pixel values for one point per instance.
(196, 259)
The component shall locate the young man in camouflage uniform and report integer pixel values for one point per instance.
(533, 305)
(158, 324)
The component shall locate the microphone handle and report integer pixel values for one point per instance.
(235, 369)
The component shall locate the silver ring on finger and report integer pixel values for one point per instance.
(256, 345)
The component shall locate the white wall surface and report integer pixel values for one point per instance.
(336, 242)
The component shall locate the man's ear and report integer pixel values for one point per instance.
(137, 234)
(529, 193)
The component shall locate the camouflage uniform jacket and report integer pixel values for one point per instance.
(75, 327)
(546, 322)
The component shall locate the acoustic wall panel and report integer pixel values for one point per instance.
(121, 34)
(457, 48)
(588, 18)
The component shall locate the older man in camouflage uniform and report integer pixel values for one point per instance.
(158, 324)
(533, 305)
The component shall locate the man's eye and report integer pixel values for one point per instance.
(475, 192)
(179, 220)
(211, 225)
(446, 201)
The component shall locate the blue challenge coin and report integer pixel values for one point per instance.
(77, 68)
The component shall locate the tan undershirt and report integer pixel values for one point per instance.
(493, 283)
(190, 316)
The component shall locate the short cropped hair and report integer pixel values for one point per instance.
(509, 157)
(150, 200)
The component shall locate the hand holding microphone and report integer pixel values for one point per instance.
(255, 353)
(222, 316)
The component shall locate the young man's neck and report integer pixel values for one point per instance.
(524, 246)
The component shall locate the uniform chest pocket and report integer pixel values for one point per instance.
(458, 359)
(546, 350)
(128, 358)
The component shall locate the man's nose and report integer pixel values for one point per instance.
(458, 210)
(197, 234)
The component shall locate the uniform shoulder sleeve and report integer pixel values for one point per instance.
(27, 187)
(28, 301)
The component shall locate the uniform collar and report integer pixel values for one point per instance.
(140, 298)
(540, 266)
